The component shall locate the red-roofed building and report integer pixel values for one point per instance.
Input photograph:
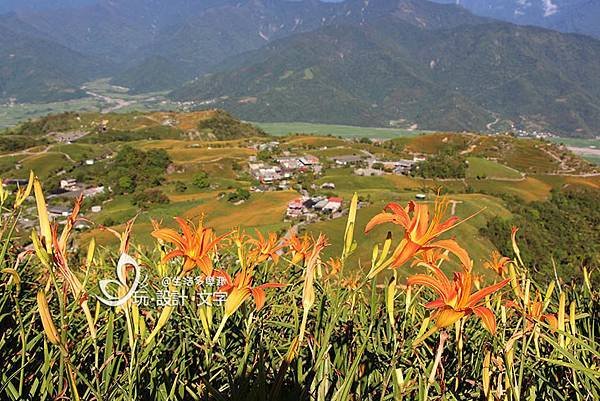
(295, 208)
(333, 205)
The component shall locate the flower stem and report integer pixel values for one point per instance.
(438, 358)
(220, 329)
(303, 326)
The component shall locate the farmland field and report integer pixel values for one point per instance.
(479, 167)
(44, 164)
(106, 97)
(346, 131)
(577, 142)
(225, 163)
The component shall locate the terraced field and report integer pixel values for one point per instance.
(495, 167)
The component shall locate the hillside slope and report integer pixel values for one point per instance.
(484, 77)
(124, 127)
(34, 70)
(210, 35)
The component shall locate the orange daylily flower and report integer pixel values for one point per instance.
(123, 237)
(533, 313)
(240, 289)
(300, 247)
(265, 248)
(430, 257)
(332, 267)
(60, 250)
(196, 245)
(352, 282)
(455, 297)
(421, 230)
(497, 263)
(478, 280)
(56, 250)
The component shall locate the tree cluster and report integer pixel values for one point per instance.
(562, 233)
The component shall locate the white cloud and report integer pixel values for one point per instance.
(549, 8)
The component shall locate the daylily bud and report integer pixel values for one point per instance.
(515, 246)
(389, 301)
(41, 253)
(45, 230)
(90, 253)
(586, 279)
(572, 318)
(23, 194)
(548, 296)
(486, 373)
(561, 317)
(49, 327)
(15, 277)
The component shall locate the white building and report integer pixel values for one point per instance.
(70, 184)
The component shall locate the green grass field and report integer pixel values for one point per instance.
(479, 167)
(593, 159)
(44, 164)
(7, 164)
(10, 116)
(81, 151)
(347, 131)
(578, 142)
(529, 189)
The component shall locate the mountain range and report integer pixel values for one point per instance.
(493, 76)
(366, 62)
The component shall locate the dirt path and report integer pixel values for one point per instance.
(28, 153)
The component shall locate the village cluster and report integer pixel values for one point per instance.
(277, 176)
(273, 169)
(60, 203)
(310, 208)
(279, 171)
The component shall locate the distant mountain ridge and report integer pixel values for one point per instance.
(490, 77)
(200, 43)
(36, 71)
(377, 62)
(168, 43)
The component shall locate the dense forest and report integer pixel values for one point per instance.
(562, 233)
(447, 164)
